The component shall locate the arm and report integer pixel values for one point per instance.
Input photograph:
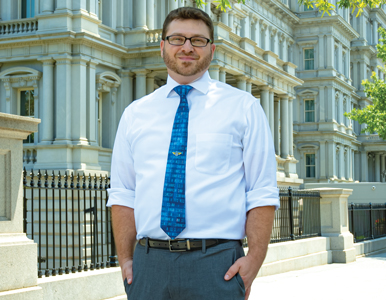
(258, 229)
(122, 197)
(261, 195)
(125, 237)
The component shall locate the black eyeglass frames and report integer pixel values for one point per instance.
(179, 40)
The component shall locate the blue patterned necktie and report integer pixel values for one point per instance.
(173, 201)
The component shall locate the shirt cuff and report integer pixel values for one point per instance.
(267, 196)
(121, 197)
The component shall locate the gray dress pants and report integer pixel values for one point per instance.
(192, 275)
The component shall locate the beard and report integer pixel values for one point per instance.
(187, 68)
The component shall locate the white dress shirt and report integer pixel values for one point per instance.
(230, 162)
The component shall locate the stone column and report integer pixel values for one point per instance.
(140, 14)
(354, 75)
(340, 112)
(47, 128)
(277, 126)
(127, 88)
(321, 54)
(362, 26)
(241, 82)
(267, 43)
(63, 6)
(256, 32)
(352, 164)
(284, 114)
(285, 49)
(127, 15)
(334, 222)
(214, 72)
(375, 32)
(246, 27)
(347, 151)
(274, 40)
(331, 148)
(321, 97)
(249, 87)
(357, 166)
(48, 6)
(231, 21)
(340, 59)
(223, 75)
(78, 101)
(383, 167)
(207, 7)
(291, 127)
(63, 100)
(150, 14)
(140, 83)
(93, 8)
(19, 274)
(322, 165)
(341, 162)
(224, 18)
(149, 83)
(364, 167)
(271, 113)
(91, 104)
(264, 99)
(331, 104)
(377, 167)
(330, 52)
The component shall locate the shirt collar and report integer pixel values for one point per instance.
(201, 84)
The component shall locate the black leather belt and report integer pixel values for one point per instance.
(179, 245)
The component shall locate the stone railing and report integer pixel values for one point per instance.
(153, 36)
(29, 156)
(20, 26)
(234, 39)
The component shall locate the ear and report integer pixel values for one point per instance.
(213, 46)
(162, 45)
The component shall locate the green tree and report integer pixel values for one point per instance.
(374, 116)
(323, 5)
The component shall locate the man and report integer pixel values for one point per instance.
(193, 171)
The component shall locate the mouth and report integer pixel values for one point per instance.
(187, 58)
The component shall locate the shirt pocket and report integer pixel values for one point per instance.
(213, 152)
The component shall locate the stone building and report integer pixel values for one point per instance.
(76, 64)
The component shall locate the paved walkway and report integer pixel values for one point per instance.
(363, 279)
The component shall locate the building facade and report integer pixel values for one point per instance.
(76, 65)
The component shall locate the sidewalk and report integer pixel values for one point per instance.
(363, 279)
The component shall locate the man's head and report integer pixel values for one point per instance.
(185, 62)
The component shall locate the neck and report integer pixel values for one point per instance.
(185, 79)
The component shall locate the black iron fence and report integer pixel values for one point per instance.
(298, 216)
(66, 216)
(367, 221)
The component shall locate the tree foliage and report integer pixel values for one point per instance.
(374, 116)
(324, 6)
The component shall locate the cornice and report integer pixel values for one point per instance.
(331, 20)
(283, 11)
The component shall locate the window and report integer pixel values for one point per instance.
(310, 8)
(309, 110)
(310, 165)
(99, 112)
(308, 59)
(27, 109)
(27, 8)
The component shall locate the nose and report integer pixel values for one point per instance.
(187, 47)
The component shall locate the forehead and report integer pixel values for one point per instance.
(188, 28)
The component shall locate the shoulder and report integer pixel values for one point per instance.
(146, 100)
(226, 91)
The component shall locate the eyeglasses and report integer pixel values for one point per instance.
(179, 40)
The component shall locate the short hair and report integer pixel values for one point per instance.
(188, 13)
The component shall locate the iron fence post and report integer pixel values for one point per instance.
(371, 222)
(291, 214)
(352, 221)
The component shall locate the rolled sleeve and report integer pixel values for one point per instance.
(259, 161)
(122, 191)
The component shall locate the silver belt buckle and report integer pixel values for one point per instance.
(179, 250)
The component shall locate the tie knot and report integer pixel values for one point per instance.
(182, 90)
